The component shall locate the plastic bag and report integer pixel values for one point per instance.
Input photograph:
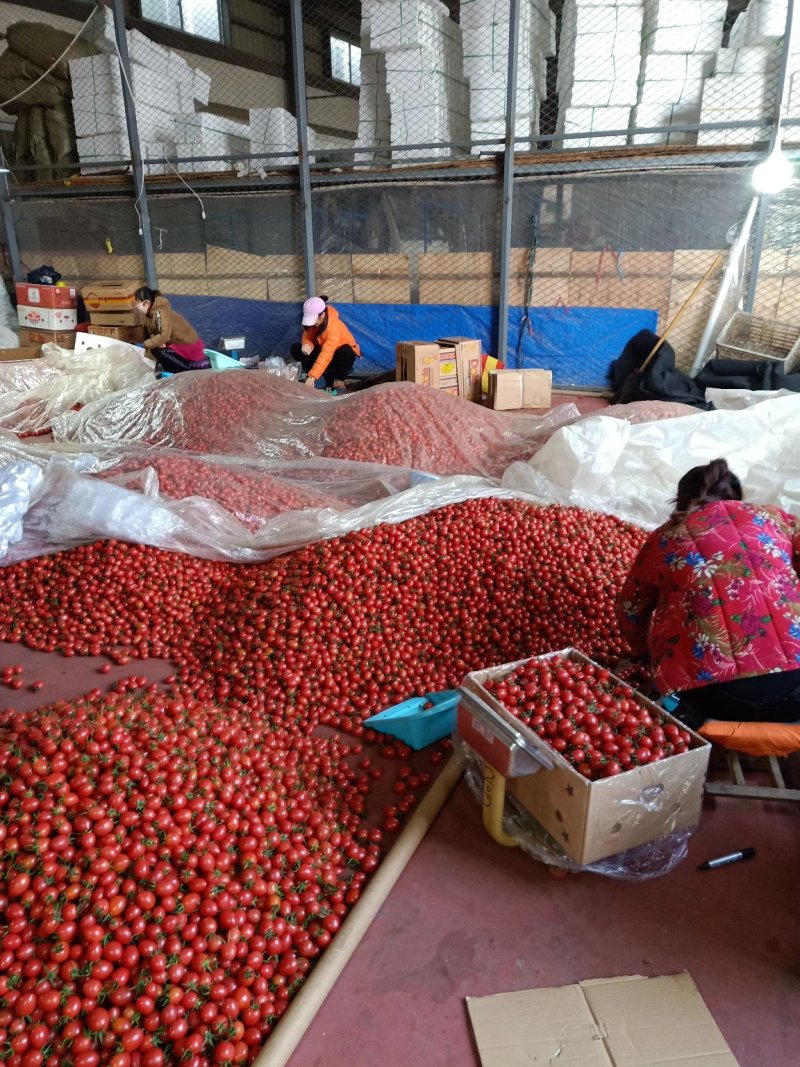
(399, 424)
(18, 482)
(278, 366)
(642, 863)
(65, 380)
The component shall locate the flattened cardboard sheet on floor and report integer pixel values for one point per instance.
(604, 1022)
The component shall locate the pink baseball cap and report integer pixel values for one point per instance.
(312, 309)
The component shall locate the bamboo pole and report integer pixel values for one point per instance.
(682, 308)
(300, 1014)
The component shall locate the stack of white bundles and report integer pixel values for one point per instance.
(273, 130)
(417, 86)
(762, 22)
(486, 43)
(679, 43)
(203, 134)
(740, 98)
(374, 110)
(163, 85)
(598, 69)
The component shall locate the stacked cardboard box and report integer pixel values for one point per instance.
(451, 364)
(47, 313)
(598, 70)
(511, 390)
(111, 310)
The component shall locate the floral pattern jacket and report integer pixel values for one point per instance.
(714, 595)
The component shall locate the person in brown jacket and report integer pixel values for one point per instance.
(328, 350)
(172, 341)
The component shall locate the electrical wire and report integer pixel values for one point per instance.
(55, 63)
(191, 190)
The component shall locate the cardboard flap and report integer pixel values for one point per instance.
(547, 1026)
(639, 1017)
(609, 1022)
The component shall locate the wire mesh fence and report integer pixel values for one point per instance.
(407, 105)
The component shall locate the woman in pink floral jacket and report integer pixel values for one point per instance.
(714, 599)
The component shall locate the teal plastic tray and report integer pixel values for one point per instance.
(415, 724)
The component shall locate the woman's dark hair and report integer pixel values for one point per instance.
(143, 293)
(702, 485)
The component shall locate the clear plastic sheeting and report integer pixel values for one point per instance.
(632, 471)
(262, 416)
(18, 483)
(74, 507)
(64, 380)
(642, 863)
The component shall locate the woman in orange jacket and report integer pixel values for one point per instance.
(328, 350)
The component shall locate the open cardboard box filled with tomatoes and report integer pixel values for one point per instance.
(600, 766)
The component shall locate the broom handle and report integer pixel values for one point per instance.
(682, 308)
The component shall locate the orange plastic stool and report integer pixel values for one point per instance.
(770, 740)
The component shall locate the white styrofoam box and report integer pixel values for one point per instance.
(607, 93)
(95, 76)
(588, 48)
(763, 22)
(146, 53)
(409, 59)
(112, 148)
(670, 92)
(674, 67)
(204, 123)
(409, 22)
(586, 120)
(273, 126)
(609, 67)
(743, 135)
(607, 19)
(154, 123)
(101, 114)
(734, 92)
(749, 59)
(660, 114)
(201, 86)
(684, 12)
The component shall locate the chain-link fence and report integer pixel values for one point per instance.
(240, 148)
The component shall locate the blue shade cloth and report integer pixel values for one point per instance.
(576, 343)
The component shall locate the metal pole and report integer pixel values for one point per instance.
(301, 112)
(508, 178)
(774, 139)
(141, 205)
(8, 224)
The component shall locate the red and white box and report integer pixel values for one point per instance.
(47, 296)
(47, 318)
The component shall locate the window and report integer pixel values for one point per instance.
(198, 17)
(345, 61)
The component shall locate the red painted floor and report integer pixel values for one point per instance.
(469, 917)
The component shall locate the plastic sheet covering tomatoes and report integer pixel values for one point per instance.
(632, 471)
(642, 863)
(215, 507)
(260, 415)
(62, 380)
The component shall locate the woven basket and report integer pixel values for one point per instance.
(751, 337)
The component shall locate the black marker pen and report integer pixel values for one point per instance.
(732, 857)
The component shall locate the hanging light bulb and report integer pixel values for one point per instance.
(773, 174)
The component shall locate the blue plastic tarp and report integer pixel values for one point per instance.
(576, 343)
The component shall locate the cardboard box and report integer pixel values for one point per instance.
(47, 296)
(109, 296)
(47, 318)
(132, 334)
(510, 390)
(470, 364)
(62, 338)
(589, 820)
(602, 1022)
(426, 363)
(115, 318)
(9, 355)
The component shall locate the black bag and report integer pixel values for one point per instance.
(44, 275)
